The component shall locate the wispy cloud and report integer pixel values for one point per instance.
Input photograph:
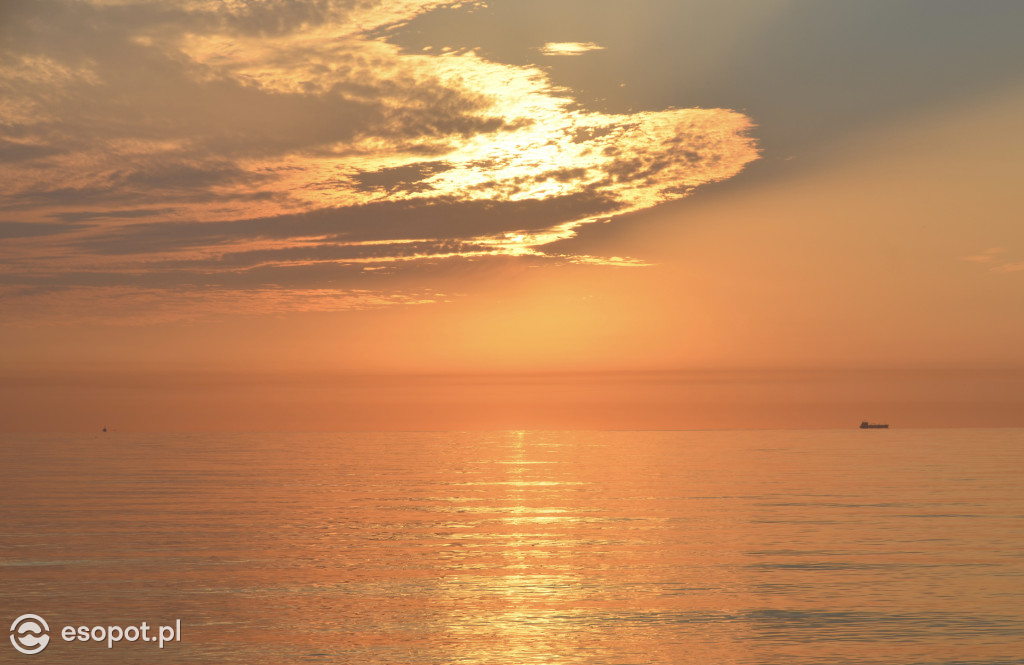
(569, 48)
(149, 144)
(988, 256)
(997, 259)
(130, 306)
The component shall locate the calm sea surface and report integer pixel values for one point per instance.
(894, 546)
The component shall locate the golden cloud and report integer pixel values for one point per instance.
(172, 138)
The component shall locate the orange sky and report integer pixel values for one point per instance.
(452, 215)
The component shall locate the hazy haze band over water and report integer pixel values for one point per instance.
(524, 547)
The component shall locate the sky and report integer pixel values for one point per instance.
(356, 214)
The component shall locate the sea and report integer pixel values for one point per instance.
(522, 547)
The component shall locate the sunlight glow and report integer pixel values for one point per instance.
(569, 48)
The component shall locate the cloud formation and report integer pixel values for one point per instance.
(159, 145)
(569, 48)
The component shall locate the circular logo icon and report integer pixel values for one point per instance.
(29, 633)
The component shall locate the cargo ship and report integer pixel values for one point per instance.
(866, 425)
